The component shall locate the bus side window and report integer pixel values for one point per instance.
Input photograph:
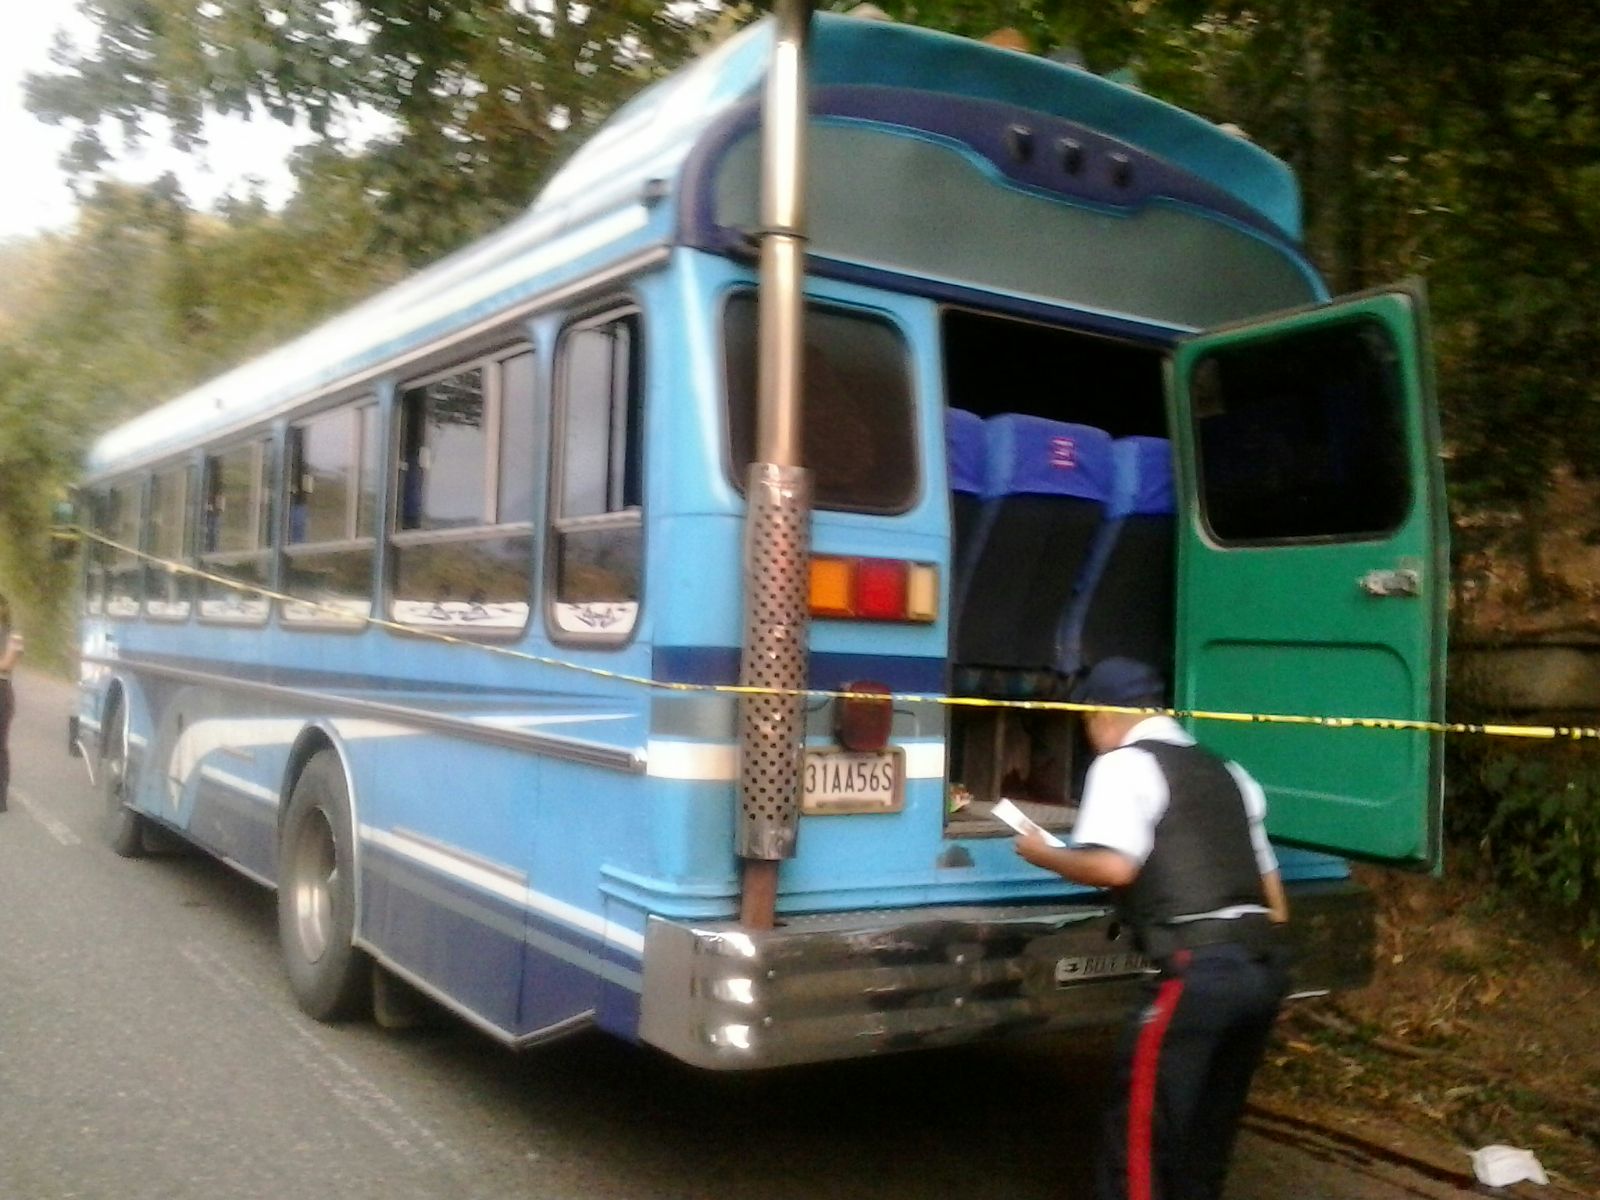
(236, 537)
(124, 573)
(463, 536)
(166, 592)
(596, 555)
(331, 469)
(97, 560)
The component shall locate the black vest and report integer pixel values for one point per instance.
(1201, 859)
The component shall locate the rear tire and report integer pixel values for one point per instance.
(124, 827)
(330, 977)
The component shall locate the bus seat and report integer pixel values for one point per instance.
(967, 455)
(1126, 604)
(1048, 485)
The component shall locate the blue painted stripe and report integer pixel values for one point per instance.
(829, 671)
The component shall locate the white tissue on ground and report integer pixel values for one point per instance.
(1501, 1166)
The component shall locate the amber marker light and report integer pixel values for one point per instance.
(832, 587)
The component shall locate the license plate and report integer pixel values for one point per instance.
(1081, 968)
(844, 781)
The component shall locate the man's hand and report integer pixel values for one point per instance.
(1033, 848)
(1096, 867)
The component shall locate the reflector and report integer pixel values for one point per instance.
(863, 722)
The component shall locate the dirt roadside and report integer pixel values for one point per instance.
(1481, 1026)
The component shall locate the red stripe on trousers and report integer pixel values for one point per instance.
(1142, 1088)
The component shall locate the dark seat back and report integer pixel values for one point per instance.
(1126, 606)
(1048, 484)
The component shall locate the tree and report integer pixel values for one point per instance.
(480, 97)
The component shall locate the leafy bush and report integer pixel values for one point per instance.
(1535, 811)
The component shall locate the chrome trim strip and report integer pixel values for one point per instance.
(611, 758)
(401, 834)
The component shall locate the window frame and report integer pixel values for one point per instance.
(1395, 402)
(603, 312)
(354, 408)
(264, 523)
(491, 361)
(137, 486)
(731, 469)
(185, 469)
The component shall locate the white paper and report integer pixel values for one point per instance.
(1501, 1166)
(1022, 823)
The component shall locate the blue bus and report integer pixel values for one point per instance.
(633, 620)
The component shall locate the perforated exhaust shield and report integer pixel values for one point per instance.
(772, 728)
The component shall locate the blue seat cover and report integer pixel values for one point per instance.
(1125, 600)
(1048, 486)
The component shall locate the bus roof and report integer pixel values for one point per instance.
(602, 199)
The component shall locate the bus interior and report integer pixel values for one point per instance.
(1061, 498)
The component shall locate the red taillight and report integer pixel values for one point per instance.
(863, 721)
(881, 589)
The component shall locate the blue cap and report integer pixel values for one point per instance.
(1121, 681)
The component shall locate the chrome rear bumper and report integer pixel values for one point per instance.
(854, 984)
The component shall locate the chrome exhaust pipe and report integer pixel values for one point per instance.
(777, 548)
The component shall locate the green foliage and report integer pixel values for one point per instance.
(479, 97)
(1535, 812)
(140, 300)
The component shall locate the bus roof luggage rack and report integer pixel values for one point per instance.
(1125, 606)
(1048, 486)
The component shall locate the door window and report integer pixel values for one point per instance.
(1303, 436)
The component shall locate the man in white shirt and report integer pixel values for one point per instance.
(1177, 834)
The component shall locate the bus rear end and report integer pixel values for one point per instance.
(1024, 457)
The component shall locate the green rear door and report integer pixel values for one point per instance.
(1312, 565)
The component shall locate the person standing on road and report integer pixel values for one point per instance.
(1177, 834)
(10, 652)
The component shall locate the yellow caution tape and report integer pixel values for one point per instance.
(1545, 732)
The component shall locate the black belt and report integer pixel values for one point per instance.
(1255, 931)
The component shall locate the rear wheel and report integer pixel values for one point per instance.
(330, 977)
(124, 827)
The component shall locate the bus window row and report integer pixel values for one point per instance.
(463, 451)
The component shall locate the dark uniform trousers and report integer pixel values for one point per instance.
(1183, 1070)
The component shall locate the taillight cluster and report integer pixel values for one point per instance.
(874, 589)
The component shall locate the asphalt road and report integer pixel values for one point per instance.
(149, 1048)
